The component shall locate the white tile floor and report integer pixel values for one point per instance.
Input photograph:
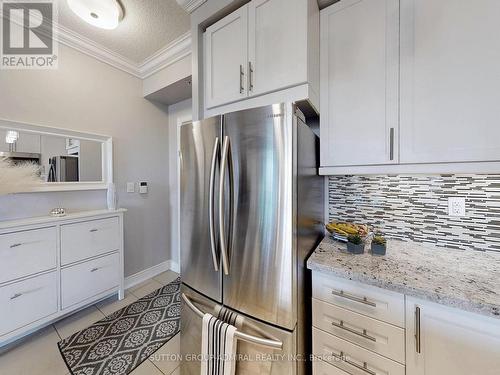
(38, 354)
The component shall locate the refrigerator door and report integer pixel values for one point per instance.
(252, 358)
(199, 160)
(260, 248)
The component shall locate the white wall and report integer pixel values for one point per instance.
(177, 113)
(87, 95)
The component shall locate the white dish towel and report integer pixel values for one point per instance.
(218, 347)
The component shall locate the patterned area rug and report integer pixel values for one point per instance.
(119, 343)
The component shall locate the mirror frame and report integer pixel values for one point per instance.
(107, 156)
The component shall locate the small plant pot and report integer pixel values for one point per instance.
(378, 249)
(355, 249)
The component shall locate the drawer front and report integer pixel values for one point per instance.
(352, 358)
(27, 301)
(86, 280)
(89, 238)
(364, 299)
(322, 368)
(372, 334)
(27, 252)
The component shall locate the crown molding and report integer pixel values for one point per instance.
(90, 48)
(190, 5)
(171, 53)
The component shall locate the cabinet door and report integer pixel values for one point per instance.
(359, 82)
(226, 60)
(451, 341)
(277, 45)
(450, 77)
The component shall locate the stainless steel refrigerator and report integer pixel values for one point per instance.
(252, 209)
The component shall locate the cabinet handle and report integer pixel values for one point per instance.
(17, 295)
(95, 269)
(242, 75)
(391, 141)
(362, 300)
(361, 334)
(418, 344)
(364, 368)
(15, 245)
(250, 76)
(94, 230)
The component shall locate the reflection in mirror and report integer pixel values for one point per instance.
(59, 158)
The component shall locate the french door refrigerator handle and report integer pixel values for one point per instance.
(213, 243)
(222, 231)
(268, 341)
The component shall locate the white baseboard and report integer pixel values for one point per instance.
(151, 272)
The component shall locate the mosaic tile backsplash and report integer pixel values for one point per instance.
(415, 207)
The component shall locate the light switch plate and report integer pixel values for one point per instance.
(130, 187)
(456, 206)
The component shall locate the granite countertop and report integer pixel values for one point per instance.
(465, 279)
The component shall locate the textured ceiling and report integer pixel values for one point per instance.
(148, 26)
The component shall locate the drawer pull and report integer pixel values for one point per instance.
(364, 368)
(17, 295)
(94, 230)
(362, 300)
(15, 245)
(95, 269)
(361, 334)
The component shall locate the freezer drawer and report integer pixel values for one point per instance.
(253, 358)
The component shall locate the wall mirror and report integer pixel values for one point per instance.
(64, 159)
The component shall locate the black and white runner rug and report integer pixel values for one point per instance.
(119, 343)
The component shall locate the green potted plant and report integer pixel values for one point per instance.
(355, 244)
(379, 244)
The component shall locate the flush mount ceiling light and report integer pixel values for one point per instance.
(105, 14)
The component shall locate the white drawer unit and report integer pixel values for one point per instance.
(51, 266)
(352, 358)
(27, 252)
(27, 301)
(383, 338)
(88, 239)
(322, 368)
(86, 280)
(375, 302)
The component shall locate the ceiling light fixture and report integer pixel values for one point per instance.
(105, 14)
(11, 137)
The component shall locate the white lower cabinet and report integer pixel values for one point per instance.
(27, 252)
(322, 368)
(442, 341)
(352, 358)
(27, 301)
(50, 267)
(86, 280)
(351, 337)
(369, 333)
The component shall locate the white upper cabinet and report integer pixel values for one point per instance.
(450, 80)
(262, 48)
(441, 340)
(276, 29)
(226, 59)
(359, 83)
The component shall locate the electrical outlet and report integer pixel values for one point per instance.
(130, 187)
(456, 206)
